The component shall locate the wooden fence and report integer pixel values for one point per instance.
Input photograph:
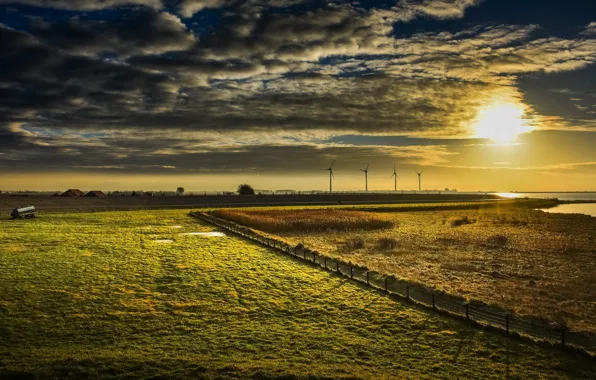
(481, 314)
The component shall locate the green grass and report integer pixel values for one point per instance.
(94, 296)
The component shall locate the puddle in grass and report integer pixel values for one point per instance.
(212, 233)
(164, 241)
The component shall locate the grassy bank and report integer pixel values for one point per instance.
(134, 295)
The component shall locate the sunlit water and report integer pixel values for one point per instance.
(576, 208)
(559, 196)
(214, 233)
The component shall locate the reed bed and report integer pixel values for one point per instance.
(308, 220)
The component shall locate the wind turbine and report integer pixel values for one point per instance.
(419, 174)
(394, 179)
(366, 176)
(331, 176)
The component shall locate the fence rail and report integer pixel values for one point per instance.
(453, 305)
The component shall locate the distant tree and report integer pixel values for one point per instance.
(133, 194)
(245, 189)
(180, 191)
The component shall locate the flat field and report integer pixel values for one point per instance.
(534, 263)
(124, 295)
(48, 204)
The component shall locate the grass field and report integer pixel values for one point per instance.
(47, 204)
(134, 295)
(534, 263)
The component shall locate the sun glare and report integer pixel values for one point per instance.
(501, 122)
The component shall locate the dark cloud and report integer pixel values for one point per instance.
(37, 78)
(131, 156)
(84, 5)
(146, 32)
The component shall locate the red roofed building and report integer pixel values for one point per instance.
(95, 193)
(73, 193)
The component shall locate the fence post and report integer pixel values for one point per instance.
(563, 337)
(433, 301)
(337, 266)
(408, 291)
(467, 311)
(367, 279)
(314, 257)
(386, 289)
(507, 323)
(351, 272)
(325, 263)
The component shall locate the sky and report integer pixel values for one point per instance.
(206, 94)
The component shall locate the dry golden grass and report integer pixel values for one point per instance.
(534, 263)
(307, 220)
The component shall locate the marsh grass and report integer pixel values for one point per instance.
(315, 220)
(460, 221)
(386, 243)
(497, 241)
(89, 296)
(354, 244)
(533, 263)
(510, 220)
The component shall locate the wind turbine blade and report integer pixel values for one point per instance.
(332, 175)
(367, 167)
(333, 162)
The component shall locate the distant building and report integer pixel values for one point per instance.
(148, 194)
(73, 193)
(95, 193)
(285, 192)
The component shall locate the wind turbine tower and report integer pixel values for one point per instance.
(366, 176)
(419, 183)
(331, 176)
(394, 179)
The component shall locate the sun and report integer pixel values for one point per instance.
(501, 122)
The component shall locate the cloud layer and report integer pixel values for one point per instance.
(146, 91)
